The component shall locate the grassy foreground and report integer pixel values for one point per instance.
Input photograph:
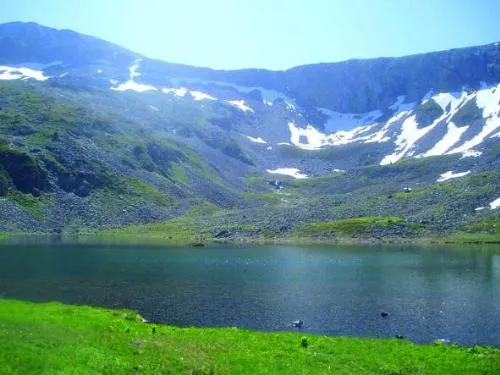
(54, 338)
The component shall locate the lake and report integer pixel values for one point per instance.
(429, 293)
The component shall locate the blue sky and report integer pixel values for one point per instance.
(272, 34)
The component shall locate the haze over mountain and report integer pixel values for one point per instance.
(95, 136)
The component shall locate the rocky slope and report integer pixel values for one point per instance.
(95, 136)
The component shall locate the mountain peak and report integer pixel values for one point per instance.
(30, 42)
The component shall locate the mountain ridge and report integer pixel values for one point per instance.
(22, 24)
(113, 140)
(358, 90)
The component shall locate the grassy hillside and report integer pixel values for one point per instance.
(109, 158)
(54, 338)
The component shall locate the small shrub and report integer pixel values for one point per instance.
(304, 342)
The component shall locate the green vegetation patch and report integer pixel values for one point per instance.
(53, 338)
(348, 226)
(228, 146)
(203, 208)
(177, 230)
(414, 194)
(183, 230)
(467, 114)
(178, 173)
(150, 193)
(489, 226)
(33, 204)
(484, 231)
(427, 113)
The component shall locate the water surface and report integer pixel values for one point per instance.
(429, 293)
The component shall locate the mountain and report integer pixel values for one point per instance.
(93, 136)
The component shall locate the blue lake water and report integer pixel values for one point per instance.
(430, 293)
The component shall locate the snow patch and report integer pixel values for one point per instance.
(198, 95)
(10, 73)
(177, 92)
(479, 208)
(310, 138)
(347, 121)
(131, 84)
(445, 99)
(410, 134)
(268, 96)
(99, 71)
(344, 137)
(269, 148)
(292, 172)
(487, 100)
(257, 140)
(471, 154)
(314, 138)
(451, 137)
(182, 91)
(450, 174)
(495, 204)
(241, 105)
(399, 105)
(63, 75)
(380, 136)
(154, 108)
(267, 102)
(399, 100)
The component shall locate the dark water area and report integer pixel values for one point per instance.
(429, 293)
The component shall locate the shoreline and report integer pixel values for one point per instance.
(248, 240)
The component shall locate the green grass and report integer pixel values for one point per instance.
(29, 202)
(189, 228)
(181, 230)
(149, 193)
(469, 238)
(484, 231)
(415, 194)
(176, 230)
(348, 226)
(40, 138)
(54, 338)
(178, 173)
(203, 208)
(486, 226)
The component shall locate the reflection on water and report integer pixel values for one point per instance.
(429, 293)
